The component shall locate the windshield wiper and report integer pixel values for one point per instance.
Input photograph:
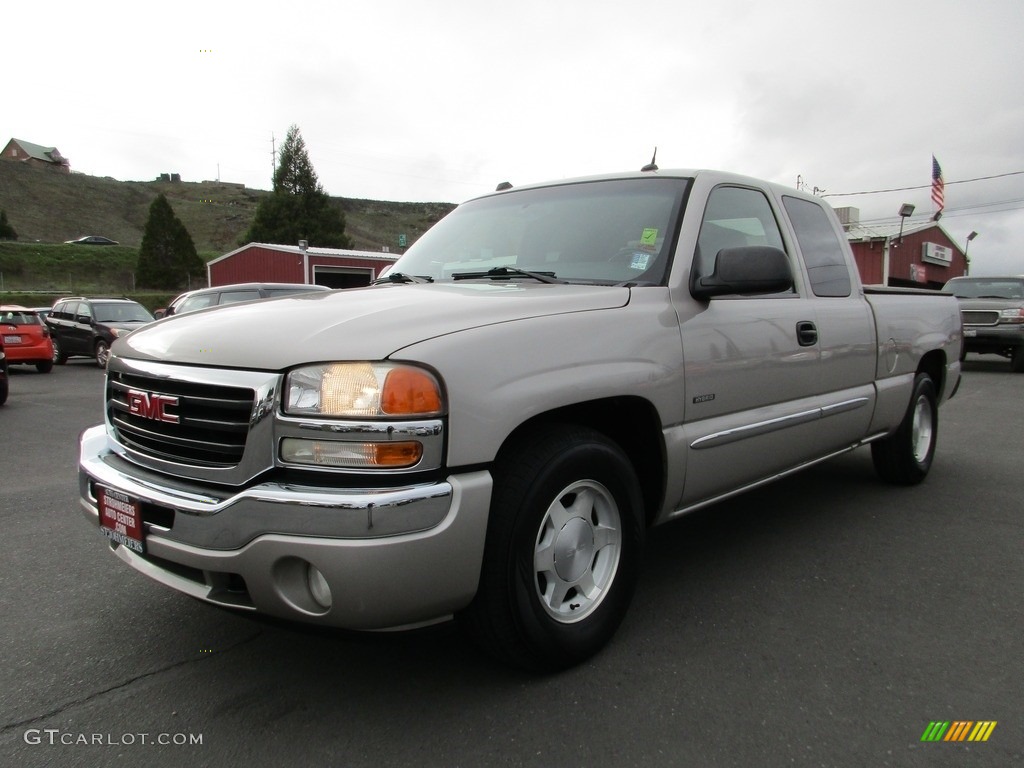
(507, 272)
(401, 277)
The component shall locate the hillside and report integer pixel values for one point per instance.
(48, 207)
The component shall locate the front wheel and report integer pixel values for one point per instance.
(1017, 360)
(563, 549)
(102, 353)
(59, 358)
(905, 456)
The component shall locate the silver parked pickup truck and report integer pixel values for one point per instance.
(488, 431)
(993, 312)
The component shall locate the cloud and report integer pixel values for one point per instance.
(404, 100)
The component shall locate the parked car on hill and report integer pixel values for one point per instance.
(92, 240)
(992, 309)
(215, 296)
(87, 327)
(26, 337)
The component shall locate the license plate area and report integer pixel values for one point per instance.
(12, 339)
(970, 333)
(121, 519)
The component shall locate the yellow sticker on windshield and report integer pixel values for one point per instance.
(649, 237)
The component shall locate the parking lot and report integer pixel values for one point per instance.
(825, 620)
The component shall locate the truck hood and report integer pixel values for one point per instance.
(354, 324)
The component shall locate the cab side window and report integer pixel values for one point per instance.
(230, 297)
(734, 217)
(193, 303)
(823, 253)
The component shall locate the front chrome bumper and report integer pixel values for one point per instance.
(992, 338)
(390, 557)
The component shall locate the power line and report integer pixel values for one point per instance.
(923, 186)
(962, 210)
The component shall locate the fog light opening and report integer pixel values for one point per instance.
(318, 587)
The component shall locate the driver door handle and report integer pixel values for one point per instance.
(806, 333)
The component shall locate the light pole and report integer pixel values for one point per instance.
(906, 210)
(967, 261)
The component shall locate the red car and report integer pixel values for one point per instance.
(26, 338)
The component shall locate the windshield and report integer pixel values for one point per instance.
(121, 312)
(610, 232)
(994, 288)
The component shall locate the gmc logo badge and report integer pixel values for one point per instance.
(149, 405)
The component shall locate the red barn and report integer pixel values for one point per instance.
(267, 263)
(924, 257)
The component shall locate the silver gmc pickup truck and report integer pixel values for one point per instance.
(489, 432)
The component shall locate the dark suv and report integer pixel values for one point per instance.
(87, 327)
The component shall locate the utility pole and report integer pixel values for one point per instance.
(273, 155)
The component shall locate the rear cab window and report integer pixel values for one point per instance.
(823, 254)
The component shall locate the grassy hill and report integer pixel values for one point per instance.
(48, 207)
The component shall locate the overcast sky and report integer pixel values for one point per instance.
(439, 101)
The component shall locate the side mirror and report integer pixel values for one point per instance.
(749, 269)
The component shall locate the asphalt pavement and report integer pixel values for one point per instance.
(825, 620)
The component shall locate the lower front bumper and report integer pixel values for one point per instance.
(998, 339)
(377, 578)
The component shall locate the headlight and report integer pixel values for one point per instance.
(362, 390)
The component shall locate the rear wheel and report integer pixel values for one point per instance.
(563, 549)
(906, 455)
(45, 367)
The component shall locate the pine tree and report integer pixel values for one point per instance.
(167, 256)
(298, 208)
(6, 230)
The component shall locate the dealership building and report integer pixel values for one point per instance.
(902, 255)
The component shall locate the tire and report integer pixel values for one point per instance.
(1017, 360)
(562, 556)
(905, 456)
(45, 366)
(3, 392)
(59, 358)
(101, 353)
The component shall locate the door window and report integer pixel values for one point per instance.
(734, 217)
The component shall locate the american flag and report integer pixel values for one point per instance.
(938, 186)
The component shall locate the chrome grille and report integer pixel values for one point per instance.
(980, 316)
(212, 420)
